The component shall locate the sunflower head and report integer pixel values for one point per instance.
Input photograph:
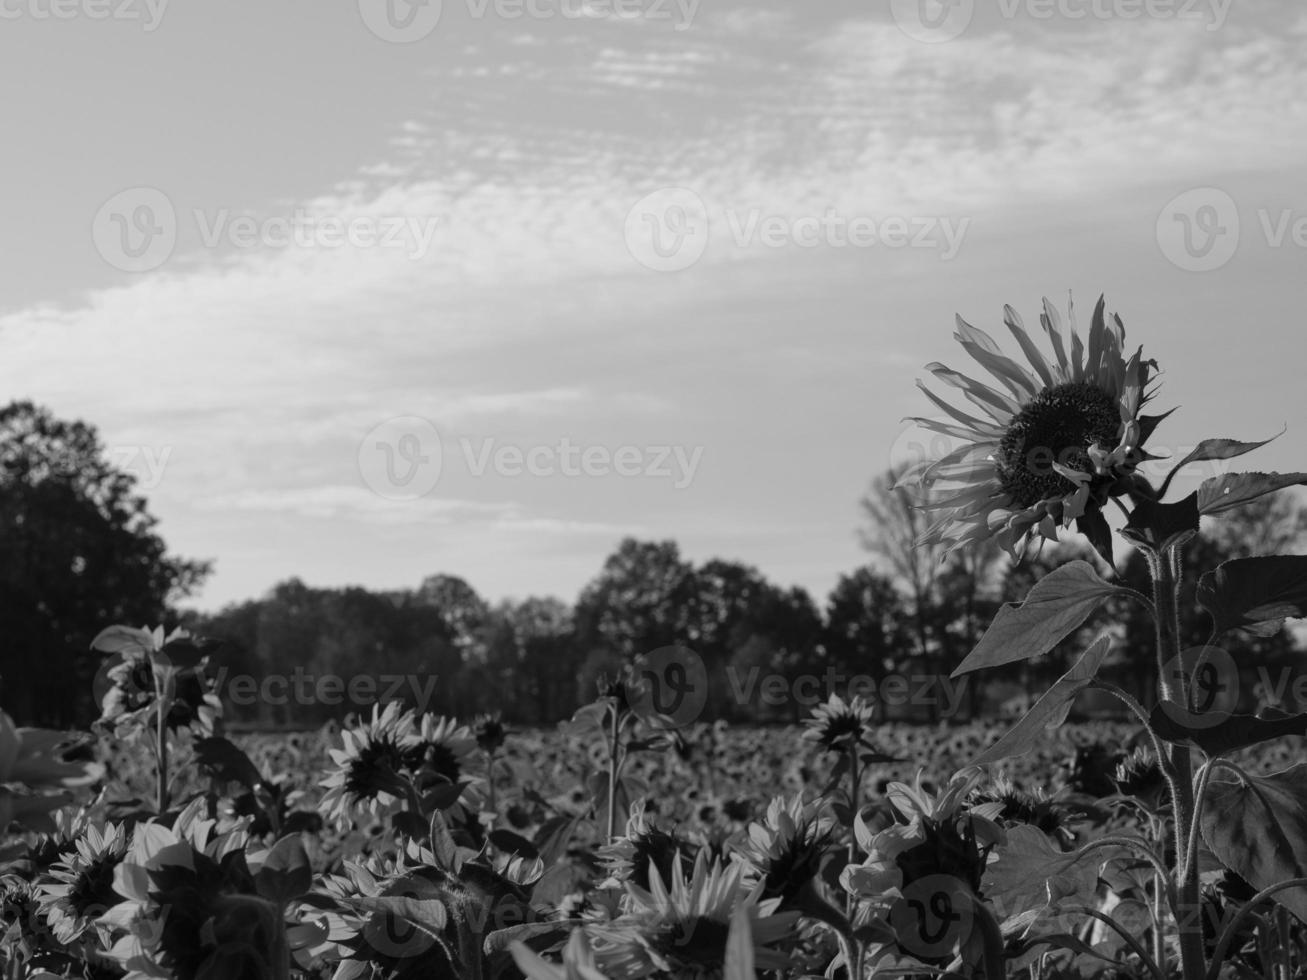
(839, 726)
(78, 888)
(370, 764)
(786, 849)
(680, 929)
(645, 847)
(1052, 443)
(490, 732)
(441, 750)
(1015, 805)
(1140, 776)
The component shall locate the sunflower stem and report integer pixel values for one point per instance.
(614, 740)
(1164, 569)
(162, 708)
(854, 780)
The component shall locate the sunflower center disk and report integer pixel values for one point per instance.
(1059, 425)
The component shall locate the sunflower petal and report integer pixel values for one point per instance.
(996, 403)
(985, 352)
(980, 425)
(1077, 348)
(1052, 322)
(1028, 347)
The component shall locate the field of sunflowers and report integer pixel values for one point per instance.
(630, 844)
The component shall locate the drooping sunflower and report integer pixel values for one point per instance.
(645, 846)
(838, 725)
(1064, 437)
(786, 849)
(682, 930)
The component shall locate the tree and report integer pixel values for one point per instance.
(865, 621)
(945, 596)
(645, 597)
(79, 552)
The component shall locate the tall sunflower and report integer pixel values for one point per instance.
(1063, 437)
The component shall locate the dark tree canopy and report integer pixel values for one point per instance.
(78, 552)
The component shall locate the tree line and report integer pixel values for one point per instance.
(80, 552)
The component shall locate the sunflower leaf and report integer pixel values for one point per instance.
(1059, 603)
(1246, 593)
(1222, 493)
(1225, 733)
(1051, 710)
(1032, 873)
(1214, 449)
(1093, 525)
(1157, 526)
(223, 761)
(286, 873)
(1257, 827)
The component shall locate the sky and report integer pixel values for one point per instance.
(368, 291)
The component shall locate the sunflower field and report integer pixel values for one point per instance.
(633, 841)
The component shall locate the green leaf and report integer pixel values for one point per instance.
(1220, 735)
(511, 843)
(1051, 710)
(1032, 873)
(1158, 526)
(443, 846)
(1258, 829)
(501, 939)
(286, 873)
(1222, 493)
(226, 763)
(1211, 449)
(1059, 603)
(1093, 525)
(123, 639)
(1254, 593)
